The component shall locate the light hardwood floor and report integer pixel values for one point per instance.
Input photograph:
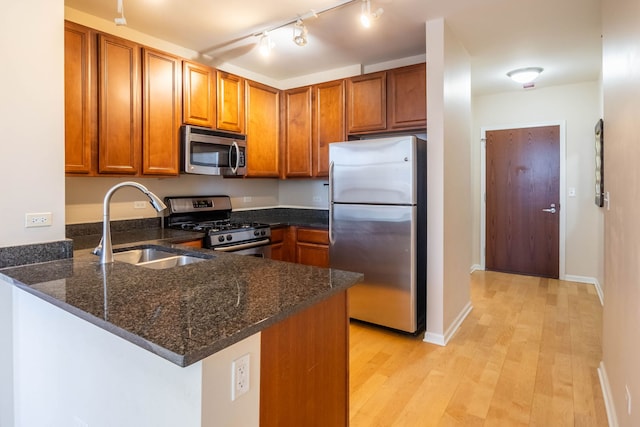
(527, 355)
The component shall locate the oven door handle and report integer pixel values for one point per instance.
(241, 246)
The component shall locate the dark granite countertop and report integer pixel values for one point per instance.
(314, 218)
(151, 235)
(185, 313)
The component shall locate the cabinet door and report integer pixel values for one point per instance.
(230, 102)
(367, 103)
(79, 98)
(407, 97)
(162, 78)
(304, 367)
(328, 122)
(119, 110)
(198, 104)
(312, 247)
(298, 132)
(263, 130)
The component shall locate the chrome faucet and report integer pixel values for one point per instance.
(104, 248)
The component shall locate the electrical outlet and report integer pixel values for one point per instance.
(240, 375)
(140, 204)
(316, 199)
(627, 398)
(37, 219)
(247, 199)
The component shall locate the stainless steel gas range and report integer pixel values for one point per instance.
(212, 215)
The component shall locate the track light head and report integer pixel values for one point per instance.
(300, 33)
(366, 16)
(121, 20)
(266, 45)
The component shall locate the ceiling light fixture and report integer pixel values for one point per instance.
(366, 16)
(525, 75)
(121, 20)
(300, 33)
(265, 44)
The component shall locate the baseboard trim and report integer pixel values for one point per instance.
(442, 340)
(476, 267)
(608, 396)
(590, 280)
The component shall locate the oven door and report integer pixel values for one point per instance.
(258, 248)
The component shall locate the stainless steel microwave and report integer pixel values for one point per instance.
(209, 152)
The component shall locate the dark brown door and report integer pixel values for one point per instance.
(522, 207)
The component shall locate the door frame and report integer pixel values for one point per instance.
(483, 187)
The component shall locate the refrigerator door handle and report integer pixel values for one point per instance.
(331, 240)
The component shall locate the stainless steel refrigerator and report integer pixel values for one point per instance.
(377, 226)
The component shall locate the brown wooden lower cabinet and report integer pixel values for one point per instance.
(312, 247)
(278, 244)
(192, 243)
(308, 246)
(304, 368)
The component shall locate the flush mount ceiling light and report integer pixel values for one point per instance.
(121, 20)
(366, 16)
(300, 33)
(265, 44)
(525, 75)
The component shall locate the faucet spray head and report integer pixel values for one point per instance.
(157, 204)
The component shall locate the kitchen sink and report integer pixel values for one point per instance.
(158, 257)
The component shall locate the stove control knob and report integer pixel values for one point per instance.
(220, 238)
(263, 232)
(256, 233)
(229, 237)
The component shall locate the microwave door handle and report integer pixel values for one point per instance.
(234, 146)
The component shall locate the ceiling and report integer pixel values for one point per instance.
(563, 37)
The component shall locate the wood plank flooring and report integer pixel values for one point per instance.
(527, 355)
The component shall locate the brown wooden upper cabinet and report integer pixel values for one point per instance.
(328, 122)
(367, 103)
(388, 100)
(122, 106)
(263, 130)
(230, 102)
(198, 106)
(297, 110)
(119, 111)
(161, 97)
(407, 97)
(314, 117)
(79, 99)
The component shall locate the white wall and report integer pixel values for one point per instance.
(6, 353)
(579, 106)
(621, 88)
(32, 115)
(69, 372)
(448, 186)
(85, 195)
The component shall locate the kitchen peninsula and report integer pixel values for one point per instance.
(188, 325)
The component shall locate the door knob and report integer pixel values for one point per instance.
(551, 209)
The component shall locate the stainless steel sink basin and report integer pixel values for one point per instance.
(158, 257)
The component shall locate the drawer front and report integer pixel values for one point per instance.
(311, 235)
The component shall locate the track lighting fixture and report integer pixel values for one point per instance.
(265, 44)
(366, 16)
(121, 20)
(300, 33)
